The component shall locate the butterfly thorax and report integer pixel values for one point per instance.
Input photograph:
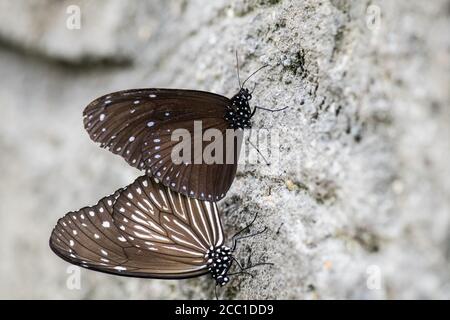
(219, 262)
(238, 114)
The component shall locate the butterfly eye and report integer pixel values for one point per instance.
(249, 97)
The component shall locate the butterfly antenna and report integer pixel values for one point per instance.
(264, 66)
(237, 70)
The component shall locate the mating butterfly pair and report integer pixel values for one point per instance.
(167, 226)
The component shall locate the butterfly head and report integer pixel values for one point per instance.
(219, 262)
(245, 94)
(239, 114)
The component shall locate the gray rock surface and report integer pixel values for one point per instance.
(356, 204)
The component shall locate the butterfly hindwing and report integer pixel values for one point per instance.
(157, 219)
(160, 234)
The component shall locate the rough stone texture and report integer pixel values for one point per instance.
(361, 187)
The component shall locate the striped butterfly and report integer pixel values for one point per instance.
(146, 230)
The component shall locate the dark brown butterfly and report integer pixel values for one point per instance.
(146, 230)
(138, 125)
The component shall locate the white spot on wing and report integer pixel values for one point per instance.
(119, 268)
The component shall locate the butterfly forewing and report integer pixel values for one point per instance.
(143, 230)
(138, 125)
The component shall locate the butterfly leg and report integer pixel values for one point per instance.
(235, 240)
(256, 148)
(242, 269)
(258, 265)
(270, 110)
(250, 265)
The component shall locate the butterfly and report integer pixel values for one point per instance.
(138, 125)
(146, 230)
